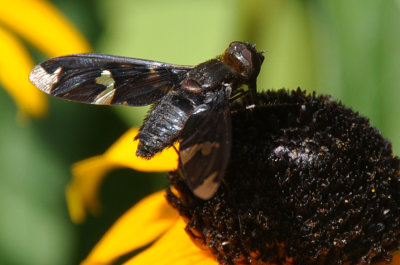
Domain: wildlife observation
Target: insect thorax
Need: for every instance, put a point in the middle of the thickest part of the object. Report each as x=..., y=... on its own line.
x=209, y=76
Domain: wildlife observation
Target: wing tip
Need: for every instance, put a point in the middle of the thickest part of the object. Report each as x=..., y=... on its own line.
x=43, y=80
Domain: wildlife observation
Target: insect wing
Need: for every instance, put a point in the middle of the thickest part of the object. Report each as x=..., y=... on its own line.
x=206, y=145
x=105, y=79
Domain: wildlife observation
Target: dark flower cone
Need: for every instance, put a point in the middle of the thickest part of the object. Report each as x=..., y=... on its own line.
x=309, y=182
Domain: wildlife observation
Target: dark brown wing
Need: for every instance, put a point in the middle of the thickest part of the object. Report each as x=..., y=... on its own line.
x=206, y=144
x=106, y=79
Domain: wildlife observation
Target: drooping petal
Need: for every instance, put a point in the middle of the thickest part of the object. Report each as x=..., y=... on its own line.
x=175, y=247
x=15, y=64
x=396, y=258
x=82, y=193
x=42, y=25
x=395, y=261
x=138, y=227
x=124, y=149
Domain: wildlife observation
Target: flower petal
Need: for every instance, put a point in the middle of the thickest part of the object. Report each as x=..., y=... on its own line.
x=87, y=174
x=41, y=24
x=138, y=227
x=396, y=258
x=15, y=64
x=175, y=247
x=395, y=261
x=82, y=191
x=124, y=149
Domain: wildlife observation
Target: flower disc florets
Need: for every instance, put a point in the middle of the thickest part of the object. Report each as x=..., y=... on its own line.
x=309, y=182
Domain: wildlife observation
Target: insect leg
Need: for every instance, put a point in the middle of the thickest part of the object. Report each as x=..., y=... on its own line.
x=253, y=91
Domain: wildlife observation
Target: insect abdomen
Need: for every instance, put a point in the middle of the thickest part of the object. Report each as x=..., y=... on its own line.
x=164, y=123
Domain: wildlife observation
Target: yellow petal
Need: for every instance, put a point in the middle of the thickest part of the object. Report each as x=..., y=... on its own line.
x=175, y=247
x=41, y=24
x=82, y=193
x=141, y=225
x=396, y=258
x=15, y=65
x=395, y=261
x=123, y=151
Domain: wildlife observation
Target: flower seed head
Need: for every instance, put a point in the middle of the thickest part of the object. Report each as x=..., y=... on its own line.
x=309, y=182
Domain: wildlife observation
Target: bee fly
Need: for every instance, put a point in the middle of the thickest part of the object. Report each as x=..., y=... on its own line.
x=192, y=102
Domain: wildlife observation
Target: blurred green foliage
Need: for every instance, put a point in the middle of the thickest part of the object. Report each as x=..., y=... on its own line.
x=346, y=48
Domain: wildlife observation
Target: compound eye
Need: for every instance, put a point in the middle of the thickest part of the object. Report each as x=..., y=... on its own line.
x=243, y=58
x=247, y=55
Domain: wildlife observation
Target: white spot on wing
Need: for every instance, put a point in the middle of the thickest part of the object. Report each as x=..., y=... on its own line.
x=44, y=80
x=105, y=79
x=105, y=97
x=208, y=188
x=189, y=152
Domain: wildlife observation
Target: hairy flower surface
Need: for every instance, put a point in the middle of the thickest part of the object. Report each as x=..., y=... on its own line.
x=309, y=182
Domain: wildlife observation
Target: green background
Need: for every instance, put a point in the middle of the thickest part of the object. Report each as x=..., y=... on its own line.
x=346, y=48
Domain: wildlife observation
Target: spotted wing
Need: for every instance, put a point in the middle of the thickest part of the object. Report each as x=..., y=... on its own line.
x=206, y=144
x=106, y=79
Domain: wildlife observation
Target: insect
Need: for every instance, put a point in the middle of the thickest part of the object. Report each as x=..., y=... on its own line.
x=191, y=102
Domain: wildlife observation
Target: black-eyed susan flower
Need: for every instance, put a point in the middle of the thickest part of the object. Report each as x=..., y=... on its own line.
x=40, y=24
x=309, y=182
